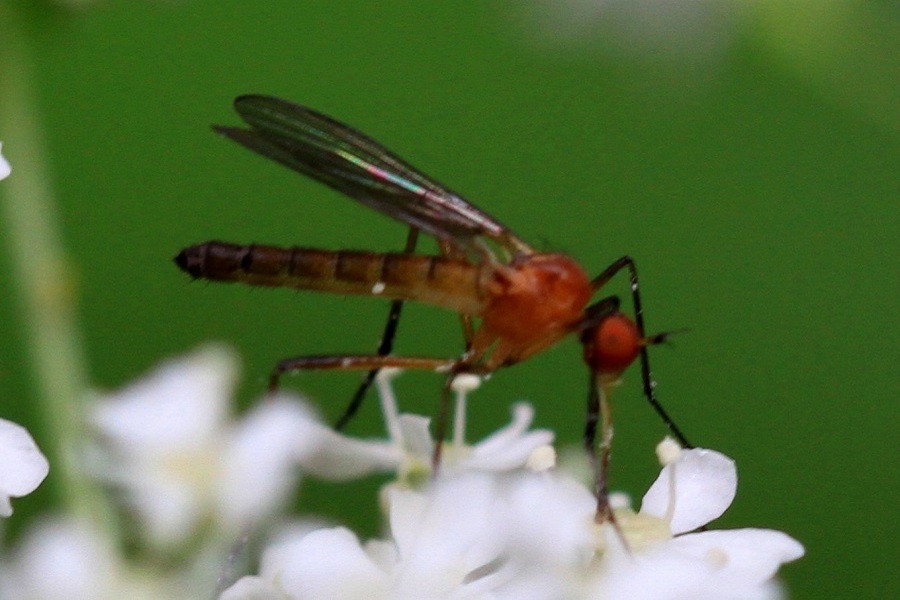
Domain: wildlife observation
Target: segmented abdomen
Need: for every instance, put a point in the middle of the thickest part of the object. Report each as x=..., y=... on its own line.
x=449, y=283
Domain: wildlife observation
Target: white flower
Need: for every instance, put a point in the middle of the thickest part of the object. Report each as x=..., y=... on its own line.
x=441, y=547
x=496, y=523
x=409, y=447
x=167, y=443
x=671, y=563
x=695, y=487
x=5, y=169
x=60, y=560
x=65, y=560
x=523, y=535
x=22, y=466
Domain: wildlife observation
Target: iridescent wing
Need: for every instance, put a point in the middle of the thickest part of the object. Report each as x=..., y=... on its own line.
x=358, y=166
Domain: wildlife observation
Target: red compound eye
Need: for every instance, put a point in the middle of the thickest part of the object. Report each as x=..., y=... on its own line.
x=613, y=346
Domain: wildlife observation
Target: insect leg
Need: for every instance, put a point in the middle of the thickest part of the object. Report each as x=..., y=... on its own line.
x=357, y=362
x=384, y=347
x=626, y=262
x=375, y=362
x=596, y=312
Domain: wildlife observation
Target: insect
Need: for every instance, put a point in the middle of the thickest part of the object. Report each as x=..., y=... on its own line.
x=523, y=301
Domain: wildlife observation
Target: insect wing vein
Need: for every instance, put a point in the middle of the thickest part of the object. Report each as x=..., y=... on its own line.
x=354, y=164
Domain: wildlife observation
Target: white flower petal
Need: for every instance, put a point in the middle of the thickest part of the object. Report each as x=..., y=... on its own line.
x=5, y=169
x=657, y=576
x=410, y=447
x=439, y=536
x=748, y=555
x=523, y=415
x=163, y=440
x=407, y=509
x=665, y=573
x=511, y=456
x=22, y=466
x=705, y=483
x=61, y=560
x=168, y=508
x=416, y=435
x=336, y=457
x=510, y=447
x=562, y=532
x=326, y=564
x=259, y=466
x=182, y=403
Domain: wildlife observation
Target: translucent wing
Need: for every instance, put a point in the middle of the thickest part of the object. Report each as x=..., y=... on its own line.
x=358, y=166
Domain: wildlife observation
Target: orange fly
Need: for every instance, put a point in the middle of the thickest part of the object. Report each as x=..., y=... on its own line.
x=524, y=301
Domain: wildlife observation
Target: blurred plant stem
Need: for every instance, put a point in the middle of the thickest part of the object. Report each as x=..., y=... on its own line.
x=42, y=275
x=842, y=46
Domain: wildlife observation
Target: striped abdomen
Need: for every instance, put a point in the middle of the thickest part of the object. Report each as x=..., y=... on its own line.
x=437, y=280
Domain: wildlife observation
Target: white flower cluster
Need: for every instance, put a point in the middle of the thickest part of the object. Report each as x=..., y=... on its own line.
x=498, y=521
x=531, y=535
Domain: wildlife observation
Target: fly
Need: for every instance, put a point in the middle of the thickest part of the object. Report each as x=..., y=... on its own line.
x=522, y=301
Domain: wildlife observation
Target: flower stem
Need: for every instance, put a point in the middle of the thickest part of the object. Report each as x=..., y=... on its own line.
x=41, y=275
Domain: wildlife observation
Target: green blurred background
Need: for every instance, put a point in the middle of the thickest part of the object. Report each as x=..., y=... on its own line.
x=746, y=154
